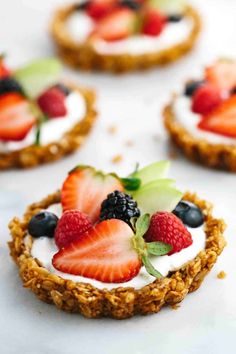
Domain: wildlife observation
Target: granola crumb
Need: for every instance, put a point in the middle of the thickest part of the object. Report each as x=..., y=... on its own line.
x=175, y=307
x=112, y=129
x=129, y=143
x=221, y=275
x=117, y=158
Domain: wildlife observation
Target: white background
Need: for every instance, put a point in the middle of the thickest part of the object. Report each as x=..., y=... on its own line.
x=206, y=320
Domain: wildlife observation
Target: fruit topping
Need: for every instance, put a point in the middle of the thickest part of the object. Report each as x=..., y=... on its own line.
x=152, y=172
x=222, y=120
x=43, y=224
x=233, y=91
x=52, y=103
x=206, y=98
x=169, y=6
x=38, y=76
x=105, y=254
x=8, y=84
x=192, y=86
x=4, y=71
x=153, y=22
x=175, y=18
x=167, y=228
x=85, y=189
x=97, y=9
x=222, y=74
x=63, y=88
x=131, y=4
x=72, y=226
x=189, y=213
x=16, y=117
x=119, y=205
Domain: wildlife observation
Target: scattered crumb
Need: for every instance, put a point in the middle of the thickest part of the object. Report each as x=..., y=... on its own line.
x=129, y=143
x=112, y=129
x=221, y=275
x=175, y=306
x=117, y=158
x=173, y=154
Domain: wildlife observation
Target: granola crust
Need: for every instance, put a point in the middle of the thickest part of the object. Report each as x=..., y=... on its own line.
x=219, y=156
x=122, y=302
x=84, y=56
x=33, y=155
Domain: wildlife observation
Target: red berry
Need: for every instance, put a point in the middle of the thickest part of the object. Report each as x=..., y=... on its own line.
x=105, y=254
x=4, y=71
x=52, y=103
x=166, y=227
x=205, y=99
x=153, y=22
x=98, y=9
x=71, y=227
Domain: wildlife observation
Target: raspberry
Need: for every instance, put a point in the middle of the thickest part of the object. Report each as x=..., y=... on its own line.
x=52, y=103
x=166, y=227
x=205, y=99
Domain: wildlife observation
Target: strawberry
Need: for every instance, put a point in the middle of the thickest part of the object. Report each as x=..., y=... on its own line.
x=52, y=103
x=222, y=120
x=105, y=254
x=85, y=189
x=205, y=99
x=166, y=227
x=16, y=118
x=4, y=71
x=72, y=226
x=118, y=25
x=222, y=74
x=153, y=22
x=98, y=9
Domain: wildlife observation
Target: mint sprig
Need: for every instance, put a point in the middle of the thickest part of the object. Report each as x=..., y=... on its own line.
x=131, y=183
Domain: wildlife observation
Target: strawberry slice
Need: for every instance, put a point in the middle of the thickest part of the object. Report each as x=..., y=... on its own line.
x=98, y=9
x=85, y=189
x=222, y=120
x=118, y=25
x=222, y=74
x=16, y=118
x=105, y=254
x=4, y=71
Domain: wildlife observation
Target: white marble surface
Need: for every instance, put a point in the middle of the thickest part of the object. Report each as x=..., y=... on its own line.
x=206, y=320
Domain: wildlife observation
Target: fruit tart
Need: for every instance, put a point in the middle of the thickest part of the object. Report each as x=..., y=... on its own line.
x=124, y=35
x=201, y=119
x=42, y=117
x=116, y=247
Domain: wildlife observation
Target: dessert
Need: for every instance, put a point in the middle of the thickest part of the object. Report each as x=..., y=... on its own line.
x=124, y=35
x=201, y=119
x=116, y=247
x=42, y=117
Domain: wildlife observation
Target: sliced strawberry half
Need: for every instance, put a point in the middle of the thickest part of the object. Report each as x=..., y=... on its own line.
x=85, y=189
x=98, y=9
x=105, y=254
x=16, y=118
x=222, y=120
x=118, y=25
x=222, y=74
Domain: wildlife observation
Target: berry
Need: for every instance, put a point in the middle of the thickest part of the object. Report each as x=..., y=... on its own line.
x=105, y=254
x=233, y=91
x=166, y=227
x=131, y=4
x=192, y=86
x=205, y=99
x=85, y=188
x=81, y=6
x=8, y=85
x=189, y=213
x=43, y=224
x=16, y=118
x=97, y=9
x=4, y=71
x=174, y=18
x=52, y=103
x=118, y=25
x=119, y=205
x=222, y=74
x=72, y=225
x=222, y=120
x=63, y=88
x=153, y=22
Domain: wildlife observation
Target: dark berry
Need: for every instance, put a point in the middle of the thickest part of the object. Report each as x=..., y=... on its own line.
x=81, y=6
x=43, y=224
x=189, y=213
x=131, y=4
x=175, y=18
x=8, y=85
x=233, y=91
x=119, y=205
x=63, y=88
x=192, y=86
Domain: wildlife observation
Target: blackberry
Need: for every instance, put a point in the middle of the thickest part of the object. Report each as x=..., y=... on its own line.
x=119, y=205
x=192, y=86
x=8, y=85
x=131, y=4
x=175, y=18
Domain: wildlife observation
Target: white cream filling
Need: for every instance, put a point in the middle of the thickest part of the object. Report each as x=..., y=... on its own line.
x=79, y=26
x=187, y=118
x=54, y=128
x=44, y=248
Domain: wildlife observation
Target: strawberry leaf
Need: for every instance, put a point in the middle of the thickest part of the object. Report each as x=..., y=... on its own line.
x=158, y=248
x=142, y=225
x=149, y=267
x=131, y=184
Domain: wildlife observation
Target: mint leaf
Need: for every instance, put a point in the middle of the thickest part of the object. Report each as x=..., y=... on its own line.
x=158, y=248
x=149, y=267
x=131, y=184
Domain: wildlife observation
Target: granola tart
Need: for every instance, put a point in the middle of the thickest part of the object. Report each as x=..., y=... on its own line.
x=52, y=117
x=201, y=120
x=117, y=300
x=150, y=34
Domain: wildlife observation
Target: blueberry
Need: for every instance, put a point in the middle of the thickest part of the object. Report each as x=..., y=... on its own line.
x=131, y=4
x=175, y=18
x=43, y=224
x=63, y=88
x=192, y=86
x=189, y=213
